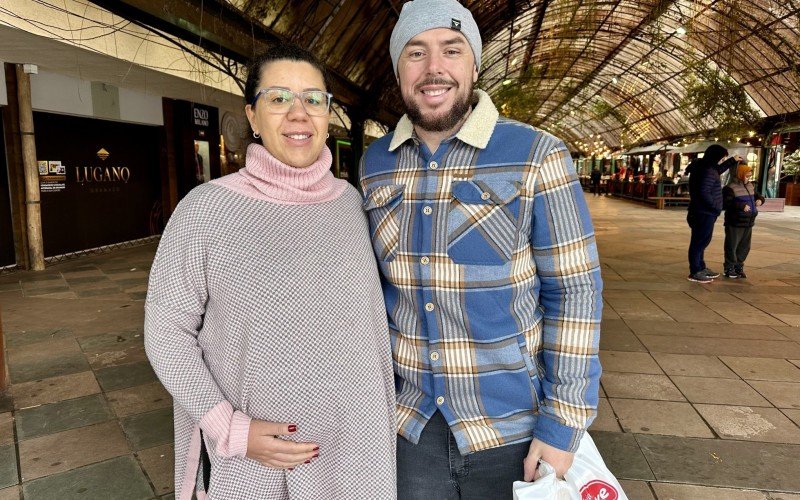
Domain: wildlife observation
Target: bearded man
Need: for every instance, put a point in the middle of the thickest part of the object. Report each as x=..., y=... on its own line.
x=492, y=283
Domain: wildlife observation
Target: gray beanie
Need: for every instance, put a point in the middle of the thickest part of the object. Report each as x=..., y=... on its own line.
x=423, y=15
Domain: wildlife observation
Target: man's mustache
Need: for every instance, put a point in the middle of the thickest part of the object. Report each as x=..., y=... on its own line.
x=436, y=81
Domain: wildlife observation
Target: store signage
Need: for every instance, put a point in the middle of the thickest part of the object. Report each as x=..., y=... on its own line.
x=102, y=174
x=200, y=116
x=52, y=176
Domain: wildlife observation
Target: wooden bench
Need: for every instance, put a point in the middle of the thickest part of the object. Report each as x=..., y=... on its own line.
x=663, y=201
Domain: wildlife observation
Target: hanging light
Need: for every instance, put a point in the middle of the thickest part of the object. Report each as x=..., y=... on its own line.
x=614, y=80
x=680, y=30
x=507, y=82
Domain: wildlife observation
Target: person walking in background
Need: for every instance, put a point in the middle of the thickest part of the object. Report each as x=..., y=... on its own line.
x=492, y=279
x=705, y=205
x=265, y=319
x=740, y=201
x=595, y=176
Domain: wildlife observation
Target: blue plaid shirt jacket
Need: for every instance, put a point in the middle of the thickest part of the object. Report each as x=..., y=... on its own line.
x=491, y=281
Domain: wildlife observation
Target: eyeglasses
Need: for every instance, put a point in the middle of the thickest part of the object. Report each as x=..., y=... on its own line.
x=279, y=101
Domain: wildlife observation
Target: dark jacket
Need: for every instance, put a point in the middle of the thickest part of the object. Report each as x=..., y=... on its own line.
x=705, y=188
x=596, y=176
x=736, y=196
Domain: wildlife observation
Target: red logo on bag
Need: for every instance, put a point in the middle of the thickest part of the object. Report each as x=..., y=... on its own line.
x=598, y=490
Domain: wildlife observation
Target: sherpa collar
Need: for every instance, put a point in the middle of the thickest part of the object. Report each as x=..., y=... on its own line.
x=476, y=131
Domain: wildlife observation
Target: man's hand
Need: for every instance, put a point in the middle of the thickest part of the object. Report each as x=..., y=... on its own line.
x=560, y=460
x=738, y=159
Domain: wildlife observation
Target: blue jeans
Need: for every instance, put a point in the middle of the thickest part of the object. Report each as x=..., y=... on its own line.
x=435, y=470
x=702, y=231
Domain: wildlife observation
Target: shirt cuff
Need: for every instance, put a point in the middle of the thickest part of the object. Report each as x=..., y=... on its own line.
x=229, y=429
x=560, y=436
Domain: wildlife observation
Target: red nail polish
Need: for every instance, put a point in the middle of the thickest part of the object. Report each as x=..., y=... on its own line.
x=315, y=455
x=308, y=461
x=292, y=428
x=316, y=449
x=291, y=468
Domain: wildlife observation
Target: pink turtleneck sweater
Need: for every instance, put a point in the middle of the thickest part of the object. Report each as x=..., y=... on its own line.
x=267, y=178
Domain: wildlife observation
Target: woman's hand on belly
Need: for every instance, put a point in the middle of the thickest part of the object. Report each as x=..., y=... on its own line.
x=265, y=445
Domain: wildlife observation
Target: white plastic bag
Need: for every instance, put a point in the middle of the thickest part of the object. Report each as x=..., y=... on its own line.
x=587, y=479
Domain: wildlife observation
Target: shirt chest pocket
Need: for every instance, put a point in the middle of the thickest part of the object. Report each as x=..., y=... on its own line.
x=384, y=207
x=482, y=222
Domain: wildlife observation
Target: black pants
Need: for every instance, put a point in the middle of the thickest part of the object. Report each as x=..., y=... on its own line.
x=737, y=246
x=596, y=188
x=702, y=230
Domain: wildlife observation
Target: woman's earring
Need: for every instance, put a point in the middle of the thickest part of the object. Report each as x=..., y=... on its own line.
x=327, y=135
x=256, y=135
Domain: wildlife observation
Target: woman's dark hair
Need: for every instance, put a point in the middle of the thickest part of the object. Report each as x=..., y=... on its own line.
x=279, y=52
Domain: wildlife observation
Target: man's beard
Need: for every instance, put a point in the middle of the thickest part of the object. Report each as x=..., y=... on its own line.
x=441, y=123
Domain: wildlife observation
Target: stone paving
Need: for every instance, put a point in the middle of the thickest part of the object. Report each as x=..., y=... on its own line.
x=700, y=392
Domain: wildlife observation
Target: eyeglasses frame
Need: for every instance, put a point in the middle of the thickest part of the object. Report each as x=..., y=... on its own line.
x=297, y=95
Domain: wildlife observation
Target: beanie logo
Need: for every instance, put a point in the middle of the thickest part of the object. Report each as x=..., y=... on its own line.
x=455, y=24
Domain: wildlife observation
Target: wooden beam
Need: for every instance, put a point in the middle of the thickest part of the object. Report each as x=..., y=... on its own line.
x=16, y=171
x=217, y=27
x=32, y=195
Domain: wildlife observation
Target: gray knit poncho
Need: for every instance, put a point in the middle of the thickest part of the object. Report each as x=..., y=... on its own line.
x=274, y=311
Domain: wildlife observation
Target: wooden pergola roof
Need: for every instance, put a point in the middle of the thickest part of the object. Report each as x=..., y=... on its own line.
x=635, y=57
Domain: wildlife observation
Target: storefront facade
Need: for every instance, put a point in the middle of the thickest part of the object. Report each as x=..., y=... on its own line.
x=99, y=182
x=194, y=142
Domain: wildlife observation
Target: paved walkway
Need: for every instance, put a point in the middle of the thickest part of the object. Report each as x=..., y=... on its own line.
x=701, y=384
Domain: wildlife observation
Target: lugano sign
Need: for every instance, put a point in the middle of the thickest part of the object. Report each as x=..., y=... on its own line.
x=102, y=174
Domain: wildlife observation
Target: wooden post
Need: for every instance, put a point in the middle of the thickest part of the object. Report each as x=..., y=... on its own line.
x=3, y=377
x=16, y=170
x=32, y=195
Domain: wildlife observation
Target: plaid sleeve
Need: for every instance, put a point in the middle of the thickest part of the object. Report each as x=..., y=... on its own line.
x=567, y=264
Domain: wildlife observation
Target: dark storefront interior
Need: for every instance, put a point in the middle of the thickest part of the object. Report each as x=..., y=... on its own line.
x=104, y=181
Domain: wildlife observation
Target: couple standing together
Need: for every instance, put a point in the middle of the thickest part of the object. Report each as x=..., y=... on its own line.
x=301, y=368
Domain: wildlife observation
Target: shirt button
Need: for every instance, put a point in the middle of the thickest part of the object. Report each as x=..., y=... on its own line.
x=434, y=356
x=429, y=307
x=440, y=400
x=433, y=165
x=485, y=196
x=424, y=261
x=427, y=210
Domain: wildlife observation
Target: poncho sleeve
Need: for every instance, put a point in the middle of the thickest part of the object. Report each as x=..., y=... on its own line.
x=174, y=309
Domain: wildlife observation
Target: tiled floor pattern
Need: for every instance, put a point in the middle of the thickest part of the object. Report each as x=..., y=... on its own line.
x=700, y=394
x=87, y=418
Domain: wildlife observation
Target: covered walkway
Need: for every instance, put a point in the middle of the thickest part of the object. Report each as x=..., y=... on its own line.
x=700, y=392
